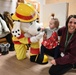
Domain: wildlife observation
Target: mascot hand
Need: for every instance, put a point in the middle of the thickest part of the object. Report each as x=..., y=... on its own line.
x=16, y=31
x=37, y=37
x=27, y=35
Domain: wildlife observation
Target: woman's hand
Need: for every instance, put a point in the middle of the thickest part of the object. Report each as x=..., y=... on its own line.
x=53, y=62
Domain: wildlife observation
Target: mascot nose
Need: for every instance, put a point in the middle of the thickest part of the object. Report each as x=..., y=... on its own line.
x=39, y=29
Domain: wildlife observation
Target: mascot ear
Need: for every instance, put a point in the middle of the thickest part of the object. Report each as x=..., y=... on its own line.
x=36, y=38
x=16, y=31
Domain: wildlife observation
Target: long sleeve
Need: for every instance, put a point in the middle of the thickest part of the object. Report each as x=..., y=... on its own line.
x=70, y=54
x=69, y=58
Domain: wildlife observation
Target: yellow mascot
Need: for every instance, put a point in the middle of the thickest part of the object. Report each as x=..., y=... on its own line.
x=26, y=31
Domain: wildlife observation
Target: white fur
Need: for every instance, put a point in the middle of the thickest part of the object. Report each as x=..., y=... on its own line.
x=16, y=28
x=29, y=29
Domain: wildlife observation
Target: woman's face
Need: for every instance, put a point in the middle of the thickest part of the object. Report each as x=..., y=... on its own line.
x=72, y=25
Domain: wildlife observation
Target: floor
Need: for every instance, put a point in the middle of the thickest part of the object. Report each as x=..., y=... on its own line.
x=9, y=65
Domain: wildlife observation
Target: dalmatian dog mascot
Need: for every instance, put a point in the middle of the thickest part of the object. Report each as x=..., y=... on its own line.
x=26, y=31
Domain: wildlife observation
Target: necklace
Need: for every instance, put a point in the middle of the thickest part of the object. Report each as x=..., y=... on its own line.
x=67, y=40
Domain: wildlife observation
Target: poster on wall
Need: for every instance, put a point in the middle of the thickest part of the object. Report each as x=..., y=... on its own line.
x=59, y=9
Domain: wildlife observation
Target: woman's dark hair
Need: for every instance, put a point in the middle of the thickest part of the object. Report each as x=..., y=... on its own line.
x=71, y=16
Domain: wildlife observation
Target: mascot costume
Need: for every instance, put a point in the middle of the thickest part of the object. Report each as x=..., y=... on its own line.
x=26, y=31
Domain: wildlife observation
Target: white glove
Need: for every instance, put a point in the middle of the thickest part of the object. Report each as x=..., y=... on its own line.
x=37, y=37
x=27, y=35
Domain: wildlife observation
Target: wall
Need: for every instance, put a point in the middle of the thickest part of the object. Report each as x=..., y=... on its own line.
x=7, y=5
x=71, y=8
x=59, y=9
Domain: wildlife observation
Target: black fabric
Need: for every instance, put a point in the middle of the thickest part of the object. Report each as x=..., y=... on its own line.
x=60, y=69
x=53, y=52
x=32, y=58
x=40, y=59
x=74, y=66
x=9, y=40
x=56, y=52
x=47, y=51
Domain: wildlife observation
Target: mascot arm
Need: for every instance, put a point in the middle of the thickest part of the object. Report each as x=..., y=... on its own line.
x=33, y=39
x=23, y=39
x=20, y=40
x=37, y=37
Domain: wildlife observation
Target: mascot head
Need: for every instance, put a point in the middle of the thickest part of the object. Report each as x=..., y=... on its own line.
x=25, y=13
x=25, y=20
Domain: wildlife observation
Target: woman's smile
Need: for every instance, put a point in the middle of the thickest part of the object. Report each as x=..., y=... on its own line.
x=72, y=25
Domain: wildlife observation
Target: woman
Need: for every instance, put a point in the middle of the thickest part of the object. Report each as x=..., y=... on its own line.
x=67, y=59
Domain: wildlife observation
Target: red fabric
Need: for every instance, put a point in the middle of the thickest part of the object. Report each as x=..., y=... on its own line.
x=25, y=17
x=51, y=42
x=16, y=42
x=29, y=40
x=34, y=51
